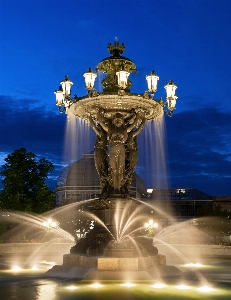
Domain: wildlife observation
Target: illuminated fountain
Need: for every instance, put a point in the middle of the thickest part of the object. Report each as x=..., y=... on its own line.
x=117, y=116
x=120, y=250
x=183, y=286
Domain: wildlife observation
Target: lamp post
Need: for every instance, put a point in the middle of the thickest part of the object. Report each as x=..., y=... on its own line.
x=116, y=115
x=150, y=227
x=118, y=68
x=49, y=224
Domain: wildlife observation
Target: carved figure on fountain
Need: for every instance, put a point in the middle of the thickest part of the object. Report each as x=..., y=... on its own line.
x=131, y=156
x=118, y=133
x=101, y=156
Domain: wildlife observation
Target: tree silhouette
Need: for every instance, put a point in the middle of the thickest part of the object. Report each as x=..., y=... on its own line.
x=24, y=187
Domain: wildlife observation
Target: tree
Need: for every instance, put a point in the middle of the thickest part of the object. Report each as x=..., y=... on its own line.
x=24, y=187
x=215, y=221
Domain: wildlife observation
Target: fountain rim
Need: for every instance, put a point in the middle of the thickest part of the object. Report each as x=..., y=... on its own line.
x=86, y=106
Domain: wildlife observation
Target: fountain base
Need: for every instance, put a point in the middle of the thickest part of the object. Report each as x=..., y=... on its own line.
x=118, y=275
x=114, y=263
x=94, y=268
x=99, y=255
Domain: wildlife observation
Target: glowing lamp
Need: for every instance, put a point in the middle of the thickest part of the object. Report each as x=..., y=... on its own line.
x=16, y=269
x=59, y=96
x=49, y=221
x=183, y=287
x=171, y=97
x=96, y=285
x=122, y=78
x=152, y=82
x=128, y=284
x=71, y=287
x=205, y=289
x=89, y=79
x=50, y=224
x=66, y=86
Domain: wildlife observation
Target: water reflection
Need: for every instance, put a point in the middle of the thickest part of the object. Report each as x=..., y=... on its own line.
x=18, y=290
x=46, y=290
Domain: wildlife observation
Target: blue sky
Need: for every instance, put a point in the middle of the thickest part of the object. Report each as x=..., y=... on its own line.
x=188, y=41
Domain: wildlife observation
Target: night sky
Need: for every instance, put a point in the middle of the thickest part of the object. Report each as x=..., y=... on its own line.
x=188, y=41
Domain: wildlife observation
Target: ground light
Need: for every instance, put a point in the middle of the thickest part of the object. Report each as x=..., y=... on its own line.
x=128, y=284
x=16, y=269
x=158, y=285
x=96, y=285
x=71, y=287
x=205, y=289
x=196, y=265
x=182, y=287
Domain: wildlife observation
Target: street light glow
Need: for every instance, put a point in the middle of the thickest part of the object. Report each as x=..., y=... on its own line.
x=50, y=224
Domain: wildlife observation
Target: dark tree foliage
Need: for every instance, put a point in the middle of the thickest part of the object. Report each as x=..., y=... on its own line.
x=24, y=187
x=215, y=221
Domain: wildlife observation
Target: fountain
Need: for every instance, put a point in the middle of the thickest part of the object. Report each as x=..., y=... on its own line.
x=117, y=116
x=192, y=280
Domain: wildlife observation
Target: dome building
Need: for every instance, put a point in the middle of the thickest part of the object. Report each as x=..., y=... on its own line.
x=80, y=181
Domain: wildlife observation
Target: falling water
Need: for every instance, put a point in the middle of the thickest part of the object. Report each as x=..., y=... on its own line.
x=79, y=139
x=152, y=164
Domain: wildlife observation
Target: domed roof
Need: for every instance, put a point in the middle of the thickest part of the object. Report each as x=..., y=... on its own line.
x=83, y=173
x=80, y=173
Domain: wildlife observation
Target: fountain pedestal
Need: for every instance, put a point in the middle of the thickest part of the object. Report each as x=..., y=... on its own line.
x=100, y=252
x=115, y=233
x=111, y=268
x=114, y=263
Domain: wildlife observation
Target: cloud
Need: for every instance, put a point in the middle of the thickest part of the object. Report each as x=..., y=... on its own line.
x=199, y=149
x=27, y=126
x=34, y=128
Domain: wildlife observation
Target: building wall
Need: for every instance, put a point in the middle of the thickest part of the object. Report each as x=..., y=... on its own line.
x=180, y=203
